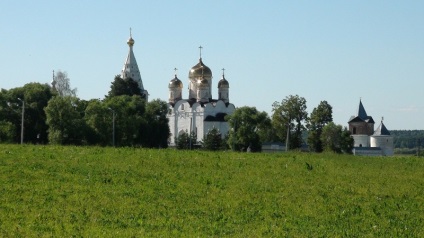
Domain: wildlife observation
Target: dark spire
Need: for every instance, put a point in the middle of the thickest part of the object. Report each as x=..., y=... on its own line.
x=361, y=111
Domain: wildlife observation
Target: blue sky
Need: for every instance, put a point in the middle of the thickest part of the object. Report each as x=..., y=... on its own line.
x=338, y=51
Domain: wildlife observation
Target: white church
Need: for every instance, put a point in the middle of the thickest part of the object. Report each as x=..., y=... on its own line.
x=198, y=113
x=368, y=141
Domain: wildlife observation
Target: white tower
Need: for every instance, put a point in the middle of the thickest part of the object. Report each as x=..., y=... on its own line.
x=382, y=138
x=130, y=69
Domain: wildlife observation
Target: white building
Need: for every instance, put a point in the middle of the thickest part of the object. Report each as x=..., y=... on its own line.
x=366, y=140
x=130, y=69
x=199, y=113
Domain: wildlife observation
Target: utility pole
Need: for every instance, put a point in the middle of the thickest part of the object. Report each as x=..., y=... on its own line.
x=22, y=120
x=288, y=136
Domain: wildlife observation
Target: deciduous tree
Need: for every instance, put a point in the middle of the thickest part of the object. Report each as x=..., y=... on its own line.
x=246, y=125
x=320, y=116
x=289, y=115
x=126, y=86
x=62, y=84
x=65, y=120
x=336, y=138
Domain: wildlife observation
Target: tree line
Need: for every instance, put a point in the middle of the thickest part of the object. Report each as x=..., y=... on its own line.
x=124, y=118
x=250, y=128
x=57, y=116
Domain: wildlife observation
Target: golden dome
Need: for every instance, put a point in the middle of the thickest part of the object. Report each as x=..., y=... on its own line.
x=175, y=83
x=200, y=70
x=203, y=82
x=130, y=41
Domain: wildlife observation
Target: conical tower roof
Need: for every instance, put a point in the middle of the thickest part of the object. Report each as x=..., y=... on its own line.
x=381, y=130
x=361, y=111
x=130, y=69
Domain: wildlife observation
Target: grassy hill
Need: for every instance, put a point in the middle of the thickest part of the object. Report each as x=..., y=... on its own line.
x=123, y=192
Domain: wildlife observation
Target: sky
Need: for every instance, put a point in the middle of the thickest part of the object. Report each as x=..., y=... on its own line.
x=337, y=51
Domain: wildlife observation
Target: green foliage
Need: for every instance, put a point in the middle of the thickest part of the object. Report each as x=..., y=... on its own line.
x=186, y=142
x=155, y=133
x=50, y=191
x=127, y=86
x=336, y=138
x=65, y=118
x=7, y=132
x=246, y=124
x=289, y=115
x=320, y=116
x=410, y=139
x=213, y=140
x=36, y=97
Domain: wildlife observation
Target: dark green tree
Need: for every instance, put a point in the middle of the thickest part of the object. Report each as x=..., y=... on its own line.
x=320, y=116
x=99, y=119
x=213, y=140
x=65, y=118
x=35, y=97
x=347, y=141
x=289, y=116
x=246, y=125
x=129, y=118
x=7, y=132
x=126, y=86
x=337, y=139
x=155, y=131
x=185, y=141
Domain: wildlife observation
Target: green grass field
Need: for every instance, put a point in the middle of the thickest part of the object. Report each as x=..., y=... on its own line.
x=126, y=192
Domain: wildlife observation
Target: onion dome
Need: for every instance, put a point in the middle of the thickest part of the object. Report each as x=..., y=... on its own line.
x=175, y=83
x=203, y=83
x=223, y=82
x=200, y=70
x=130, y=41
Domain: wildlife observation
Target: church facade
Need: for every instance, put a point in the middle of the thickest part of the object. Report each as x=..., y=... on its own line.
x=199, y=112
x=368, y=141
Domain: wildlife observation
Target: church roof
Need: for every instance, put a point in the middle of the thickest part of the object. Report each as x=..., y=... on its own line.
x=381, y=130
x=130, y=69
x=361, y=115
x=361, y=111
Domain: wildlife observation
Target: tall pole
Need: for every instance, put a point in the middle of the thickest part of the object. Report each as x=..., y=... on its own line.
x=191, y=122
x=22, y=120
x=288, y=136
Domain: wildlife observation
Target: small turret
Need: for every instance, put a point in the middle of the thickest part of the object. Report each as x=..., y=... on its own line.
x=175, y=89
x=223, y=89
